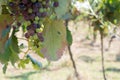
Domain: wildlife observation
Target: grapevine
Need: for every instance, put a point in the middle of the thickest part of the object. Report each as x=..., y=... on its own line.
x=44, y=24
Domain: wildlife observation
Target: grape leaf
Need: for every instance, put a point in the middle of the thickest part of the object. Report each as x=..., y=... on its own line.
x=54, y=39
x=5, y=32
x=5, y=20
x=69, y=37
x=23, y=62
x=5, y=68
x=36, y=64
x=2, y=2
x=62, y=8
x=11, y=50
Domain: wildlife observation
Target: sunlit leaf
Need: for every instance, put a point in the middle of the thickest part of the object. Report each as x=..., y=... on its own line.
x=54, y=39
x=69, y=37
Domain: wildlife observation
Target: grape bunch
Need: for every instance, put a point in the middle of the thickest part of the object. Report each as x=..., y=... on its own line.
x=32, y=11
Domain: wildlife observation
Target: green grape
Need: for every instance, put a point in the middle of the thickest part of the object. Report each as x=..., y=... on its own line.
x=33, y=1
x=41, y=10
x=30, y=10
x=37, y=18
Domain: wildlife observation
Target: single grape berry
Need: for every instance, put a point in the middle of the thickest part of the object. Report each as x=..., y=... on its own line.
x=38, y=26
x=25, y=1
x=46, y=6
x=26, y=17
x=40, y=36
x=27, y=35
x=47, y=1
x=28, y=28
x=34, y=25
x=31, y=32
x=56, y=4
x=33, y=1
x=18, y=24
x=35, y=9
x=38, y=14
x=21, y=6
x=37, y=5
x=14, y=27
x=32, y=16
x=43, y=14
x=29, y=5
x=11, y=4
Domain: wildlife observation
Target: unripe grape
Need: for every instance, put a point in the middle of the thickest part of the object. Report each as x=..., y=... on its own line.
x=33, y=1
x=41, y=10
x=30, y=10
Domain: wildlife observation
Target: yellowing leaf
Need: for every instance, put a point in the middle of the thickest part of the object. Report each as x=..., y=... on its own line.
x=54, y=39
x=5, y=20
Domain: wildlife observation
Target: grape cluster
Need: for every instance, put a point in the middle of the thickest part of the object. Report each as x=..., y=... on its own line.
x=32, y=11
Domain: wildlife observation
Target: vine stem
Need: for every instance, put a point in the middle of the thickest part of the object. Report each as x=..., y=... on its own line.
x=102, y=56
x=73, y=62
x=71, y=56
x=101, y=34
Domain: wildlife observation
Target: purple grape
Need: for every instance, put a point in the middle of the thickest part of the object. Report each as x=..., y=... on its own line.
x=14, y=27
x=43, y=14
x=34, y=25
x=35, y=9
x=38, y=14
x=24, y=1
x=40, y=36
x=18, y=24
x=27, y=35
x=56, y=4
x=32, y=16
x=22, y=6
x=31, y=32
x=46, y=6
x=26, y=17
x=47, y=1
x=29, y=5
x=24, y=12
x=11, y=4
x=28, y=27
x=37, y=5
x=38, y=26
